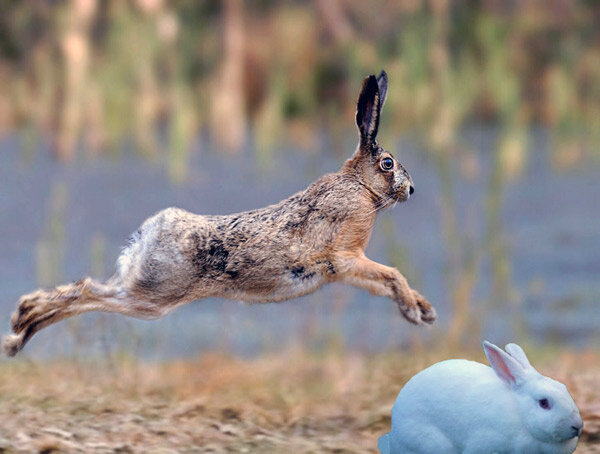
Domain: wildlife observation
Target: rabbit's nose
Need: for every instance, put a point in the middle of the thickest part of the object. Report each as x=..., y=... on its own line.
x=577, y=430
x=411, y=189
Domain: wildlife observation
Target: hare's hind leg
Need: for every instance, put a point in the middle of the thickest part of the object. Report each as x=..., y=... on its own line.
x=386, y=281
x=42, y=308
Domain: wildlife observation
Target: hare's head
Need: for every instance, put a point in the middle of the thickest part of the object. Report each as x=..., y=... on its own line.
x=379, y=171
x=546, y=408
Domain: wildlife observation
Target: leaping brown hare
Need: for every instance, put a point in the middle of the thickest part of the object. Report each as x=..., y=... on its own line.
x=285, y=250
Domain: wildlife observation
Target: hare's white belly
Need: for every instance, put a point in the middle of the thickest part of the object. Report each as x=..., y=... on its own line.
x=291, y=286
x=287, y=286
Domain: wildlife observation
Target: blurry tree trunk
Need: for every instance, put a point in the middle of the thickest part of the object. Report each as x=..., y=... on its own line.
x=94, y=117
x=75, y=46
x=148, y=101
x=461, y=272
x=228, y=111
x=6, y=109
x=182, y=112
x=148, y=95
x=509, y=155
x=335, y=20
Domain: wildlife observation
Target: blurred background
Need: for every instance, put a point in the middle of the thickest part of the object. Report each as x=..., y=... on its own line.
x=112, y=110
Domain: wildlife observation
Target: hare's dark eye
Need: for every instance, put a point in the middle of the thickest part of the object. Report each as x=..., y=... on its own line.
x=387, y=164
x=544, y=404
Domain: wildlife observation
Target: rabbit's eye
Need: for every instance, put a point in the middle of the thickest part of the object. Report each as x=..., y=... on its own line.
x=544, y=404
x=387, y=164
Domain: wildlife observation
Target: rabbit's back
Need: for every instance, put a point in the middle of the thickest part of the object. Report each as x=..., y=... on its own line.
x=453, y=407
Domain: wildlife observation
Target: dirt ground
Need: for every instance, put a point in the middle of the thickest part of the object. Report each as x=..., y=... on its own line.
x=292, y=403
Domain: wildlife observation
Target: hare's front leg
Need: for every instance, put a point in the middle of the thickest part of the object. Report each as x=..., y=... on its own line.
x=383, y=280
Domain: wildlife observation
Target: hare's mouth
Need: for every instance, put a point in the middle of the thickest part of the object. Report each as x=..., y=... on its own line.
x=404, y=192
x=402, y=195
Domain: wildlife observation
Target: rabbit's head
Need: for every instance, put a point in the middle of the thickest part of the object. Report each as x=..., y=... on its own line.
x=379, y=171
x=545, y=406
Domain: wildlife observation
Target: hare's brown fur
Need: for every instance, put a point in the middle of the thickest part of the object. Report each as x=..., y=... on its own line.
x=271, y=254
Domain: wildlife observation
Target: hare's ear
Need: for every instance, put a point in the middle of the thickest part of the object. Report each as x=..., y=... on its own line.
x=517, y=353
x=382, y=82
x=367, y=110
x=505, y=366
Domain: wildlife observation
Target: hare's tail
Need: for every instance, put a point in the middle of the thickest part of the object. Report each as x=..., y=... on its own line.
x=384, y=444
x=41, y=308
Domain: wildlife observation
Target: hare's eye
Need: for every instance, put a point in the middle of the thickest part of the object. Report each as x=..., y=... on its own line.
x=387, y=164
x=544, y=404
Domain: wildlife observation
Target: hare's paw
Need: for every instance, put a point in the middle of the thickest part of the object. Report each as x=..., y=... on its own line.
x=12, y=344
x=428, y=314
x=25, y=311
x=410, y=309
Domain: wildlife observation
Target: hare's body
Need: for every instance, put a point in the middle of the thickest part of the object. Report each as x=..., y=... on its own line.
x=464, y=407
x=272, y=254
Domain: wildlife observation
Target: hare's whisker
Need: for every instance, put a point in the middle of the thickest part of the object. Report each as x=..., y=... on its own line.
x=380, y=205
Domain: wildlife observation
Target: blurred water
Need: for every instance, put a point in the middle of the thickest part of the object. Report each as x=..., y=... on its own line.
x=551, y=228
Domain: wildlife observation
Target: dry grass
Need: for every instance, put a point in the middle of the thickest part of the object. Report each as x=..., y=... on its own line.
x=296, y=403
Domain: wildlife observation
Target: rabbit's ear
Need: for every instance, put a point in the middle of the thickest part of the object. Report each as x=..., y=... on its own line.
x=382, y=82
x=367, y=110
x=505, y=366
x=517, y=353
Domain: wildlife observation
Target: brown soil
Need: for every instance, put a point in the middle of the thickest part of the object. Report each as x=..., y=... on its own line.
x=291, y=403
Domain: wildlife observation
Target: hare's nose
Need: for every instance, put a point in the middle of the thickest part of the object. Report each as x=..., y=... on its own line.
x=411, y=189
x=577, y=430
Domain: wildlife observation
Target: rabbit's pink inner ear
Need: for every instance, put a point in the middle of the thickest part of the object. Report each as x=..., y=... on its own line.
x=502, y=364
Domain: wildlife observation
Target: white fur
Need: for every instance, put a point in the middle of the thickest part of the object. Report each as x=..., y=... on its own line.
x=123, y=264
x=459, y=406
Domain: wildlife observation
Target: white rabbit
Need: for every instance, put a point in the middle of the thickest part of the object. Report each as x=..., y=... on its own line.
x=460, y=406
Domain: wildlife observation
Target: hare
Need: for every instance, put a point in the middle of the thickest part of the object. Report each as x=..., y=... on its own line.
x=460, y=406
x=283, y=251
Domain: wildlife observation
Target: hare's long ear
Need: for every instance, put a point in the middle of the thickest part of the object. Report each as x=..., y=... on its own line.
x=367, y=110
x=382, y=82
x=505, y=366
x=517, y=353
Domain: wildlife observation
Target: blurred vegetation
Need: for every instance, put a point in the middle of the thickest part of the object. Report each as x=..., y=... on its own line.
x=98, y=77
x=94, y=75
